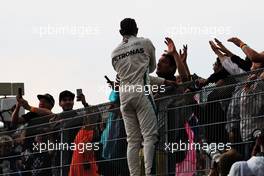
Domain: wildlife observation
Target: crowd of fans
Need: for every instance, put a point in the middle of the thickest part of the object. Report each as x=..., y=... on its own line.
x=233, y=110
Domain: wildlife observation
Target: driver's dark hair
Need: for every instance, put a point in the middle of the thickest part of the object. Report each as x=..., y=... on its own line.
x=128, y=26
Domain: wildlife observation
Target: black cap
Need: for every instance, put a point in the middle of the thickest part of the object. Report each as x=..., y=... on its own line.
x=66, y=93
x=128, y=26
x=47, y=97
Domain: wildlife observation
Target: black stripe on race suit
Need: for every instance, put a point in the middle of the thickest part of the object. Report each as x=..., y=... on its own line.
x=153, y=168
x=146, y=90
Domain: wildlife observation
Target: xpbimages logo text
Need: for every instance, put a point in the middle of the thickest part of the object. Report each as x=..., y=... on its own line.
x=173, y=147
x=80, y=147
x=146, y=89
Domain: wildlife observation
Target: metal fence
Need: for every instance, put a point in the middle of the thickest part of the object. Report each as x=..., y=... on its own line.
x=195, y=128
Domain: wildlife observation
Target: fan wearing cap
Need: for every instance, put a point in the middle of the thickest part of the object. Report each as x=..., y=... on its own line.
x=74, y=132
x=46, y=103
x=37, y=121
x=69, y=122
x=66, y=102
x=37, y=116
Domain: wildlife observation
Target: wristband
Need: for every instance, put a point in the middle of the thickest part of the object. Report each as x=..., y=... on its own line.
x=242, y=45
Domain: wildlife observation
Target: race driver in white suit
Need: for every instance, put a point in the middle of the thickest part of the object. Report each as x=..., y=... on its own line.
x=133, y=60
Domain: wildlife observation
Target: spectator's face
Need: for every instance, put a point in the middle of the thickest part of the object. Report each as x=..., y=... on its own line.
x=66, y=103
x=20, y=139
x=43, y=103
x=217, y=67
x=163, y=66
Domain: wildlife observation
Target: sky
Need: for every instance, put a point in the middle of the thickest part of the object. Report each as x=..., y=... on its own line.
x=56, y=45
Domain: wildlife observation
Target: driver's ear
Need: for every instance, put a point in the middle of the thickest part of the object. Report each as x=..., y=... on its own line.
x=121, y=32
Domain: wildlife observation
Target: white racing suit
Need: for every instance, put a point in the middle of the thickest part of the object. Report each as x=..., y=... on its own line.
x=133, y=60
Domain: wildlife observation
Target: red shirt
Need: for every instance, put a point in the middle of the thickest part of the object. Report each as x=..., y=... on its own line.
x=79, y=157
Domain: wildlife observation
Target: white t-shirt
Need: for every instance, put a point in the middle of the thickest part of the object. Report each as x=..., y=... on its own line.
x=253, y=167
x=231, y=67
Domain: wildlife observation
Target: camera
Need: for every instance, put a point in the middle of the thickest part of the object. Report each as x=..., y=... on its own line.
x=79, y=93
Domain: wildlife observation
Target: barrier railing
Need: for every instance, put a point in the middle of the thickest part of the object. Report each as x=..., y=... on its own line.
x=191, y=127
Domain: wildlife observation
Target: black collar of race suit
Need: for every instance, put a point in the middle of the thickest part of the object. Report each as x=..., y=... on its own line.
x=126, y=37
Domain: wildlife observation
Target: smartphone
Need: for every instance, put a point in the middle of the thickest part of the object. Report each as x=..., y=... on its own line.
x=79, y=93
x=107, y=79
x=19, y=93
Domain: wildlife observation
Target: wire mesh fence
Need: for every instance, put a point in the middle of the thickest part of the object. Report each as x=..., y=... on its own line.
x=195, y=130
